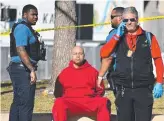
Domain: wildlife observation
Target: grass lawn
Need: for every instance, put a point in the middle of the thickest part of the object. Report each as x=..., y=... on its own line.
x=43, y=103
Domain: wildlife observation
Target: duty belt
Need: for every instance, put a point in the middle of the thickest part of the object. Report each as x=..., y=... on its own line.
x=23, y=65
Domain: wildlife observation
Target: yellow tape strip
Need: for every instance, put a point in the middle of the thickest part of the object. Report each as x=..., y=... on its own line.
x=88, y=25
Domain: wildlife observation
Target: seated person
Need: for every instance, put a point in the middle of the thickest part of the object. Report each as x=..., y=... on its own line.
x=76, y=91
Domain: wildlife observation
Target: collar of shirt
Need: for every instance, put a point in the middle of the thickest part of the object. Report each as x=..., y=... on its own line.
x=23, y=19
x=131, y=39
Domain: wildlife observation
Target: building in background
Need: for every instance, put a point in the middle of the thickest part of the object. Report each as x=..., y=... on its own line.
x=88, y=12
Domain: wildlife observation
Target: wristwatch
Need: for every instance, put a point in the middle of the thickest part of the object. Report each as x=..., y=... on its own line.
x=100, y=77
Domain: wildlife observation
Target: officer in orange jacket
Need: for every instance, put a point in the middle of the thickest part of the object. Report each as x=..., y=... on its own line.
x=133, y=75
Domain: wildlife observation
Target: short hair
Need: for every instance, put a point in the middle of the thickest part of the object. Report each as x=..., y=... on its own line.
x=131, y=10
x=119, y=10
x=27, y=8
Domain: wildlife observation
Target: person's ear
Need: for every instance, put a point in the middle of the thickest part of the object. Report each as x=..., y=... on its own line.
x=120, y=19
x=25, y=15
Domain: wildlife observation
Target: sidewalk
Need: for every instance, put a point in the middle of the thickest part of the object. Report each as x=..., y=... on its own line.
x=47, y=117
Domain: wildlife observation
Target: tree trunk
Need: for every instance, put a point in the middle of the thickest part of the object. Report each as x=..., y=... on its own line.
x=64, y=40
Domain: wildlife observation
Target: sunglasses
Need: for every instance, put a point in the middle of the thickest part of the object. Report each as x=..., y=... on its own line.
x=131, y=19
x=112, y=17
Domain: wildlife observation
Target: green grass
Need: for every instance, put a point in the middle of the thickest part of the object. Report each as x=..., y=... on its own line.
x=44, y=103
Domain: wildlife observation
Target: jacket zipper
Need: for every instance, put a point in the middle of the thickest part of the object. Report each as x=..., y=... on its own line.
x=132, y=70
x=132, y=73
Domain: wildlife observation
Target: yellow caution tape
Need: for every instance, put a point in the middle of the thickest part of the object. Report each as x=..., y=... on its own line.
x=88, y=25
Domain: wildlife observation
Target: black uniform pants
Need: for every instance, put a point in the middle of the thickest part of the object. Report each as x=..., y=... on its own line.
x=23, y=99
x=111, y=83
x=138, y=101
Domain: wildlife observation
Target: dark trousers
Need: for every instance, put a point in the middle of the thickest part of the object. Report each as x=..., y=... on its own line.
x=111, y=83
x=23, y=98
x=134, y=104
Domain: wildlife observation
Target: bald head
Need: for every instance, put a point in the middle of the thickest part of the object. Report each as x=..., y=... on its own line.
x=78, y=55
x=77, y=49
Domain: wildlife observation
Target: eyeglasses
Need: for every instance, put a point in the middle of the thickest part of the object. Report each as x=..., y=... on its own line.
x=112, y=17
x=131, y=19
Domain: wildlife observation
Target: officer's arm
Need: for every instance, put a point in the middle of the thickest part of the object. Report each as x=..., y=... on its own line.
x=156, y=55
x=99, y=91
x=24, y=57
x=21, y=34
x=105, y=64
x=109, y=47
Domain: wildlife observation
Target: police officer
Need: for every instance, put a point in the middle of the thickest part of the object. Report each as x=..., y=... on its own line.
x=108, y=64
x=133, y=75
x=25, y=53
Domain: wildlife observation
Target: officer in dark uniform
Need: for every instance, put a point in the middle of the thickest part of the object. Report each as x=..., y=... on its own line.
x=25, y=52
x=108, y=64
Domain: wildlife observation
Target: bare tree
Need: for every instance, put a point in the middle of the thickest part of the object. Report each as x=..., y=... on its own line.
x=64, y=39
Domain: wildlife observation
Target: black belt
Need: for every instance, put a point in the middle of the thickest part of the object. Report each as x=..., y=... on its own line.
x=142, y=86
x=23, y=65
x=14, y=63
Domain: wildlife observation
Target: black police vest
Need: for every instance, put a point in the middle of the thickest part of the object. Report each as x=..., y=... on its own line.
x=32, y=50
x=137, y=70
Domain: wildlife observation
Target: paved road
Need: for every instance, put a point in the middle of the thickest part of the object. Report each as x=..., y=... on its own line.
x=47, y=117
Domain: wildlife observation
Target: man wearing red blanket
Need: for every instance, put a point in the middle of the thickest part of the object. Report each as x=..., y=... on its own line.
x=76, y=91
